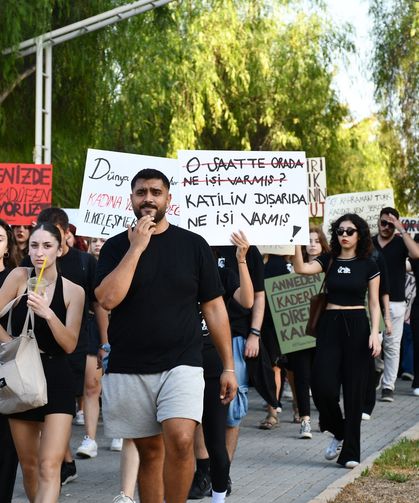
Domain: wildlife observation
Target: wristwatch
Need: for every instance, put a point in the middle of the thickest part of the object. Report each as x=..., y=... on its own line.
x=106, y=347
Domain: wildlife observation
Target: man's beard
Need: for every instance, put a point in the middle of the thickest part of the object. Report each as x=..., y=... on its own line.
x=159, y=215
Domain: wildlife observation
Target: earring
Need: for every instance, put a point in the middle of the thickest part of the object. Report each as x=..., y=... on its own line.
x=6, y=255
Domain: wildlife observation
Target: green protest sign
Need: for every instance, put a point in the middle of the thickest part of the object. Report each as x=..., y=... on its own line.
x=289, y=300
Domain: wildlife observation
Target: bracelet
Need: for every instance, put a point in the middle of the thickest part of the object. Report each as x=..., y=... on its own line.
x=242, y=261
x=229, y=370
x=403, y=231
x=254, y=331
x=106, y=347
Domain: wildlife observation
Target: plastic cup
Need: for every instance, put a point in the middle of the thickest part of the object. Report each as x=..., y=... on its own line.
x=40, y=289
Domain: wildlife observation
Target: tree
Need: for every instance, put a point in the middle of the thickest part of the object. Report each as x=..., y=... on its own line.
x=396, y=77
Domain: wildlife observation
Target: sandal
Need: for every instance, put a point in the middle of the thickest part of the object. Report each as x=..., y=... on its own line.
x=269, y=422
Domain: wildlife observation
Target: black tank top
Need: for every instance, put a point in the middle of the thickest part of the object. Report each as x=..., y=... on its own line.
x=43, y=334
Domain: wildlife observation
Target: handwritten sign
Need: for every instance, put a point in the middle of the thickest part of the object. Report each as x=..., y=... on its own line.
x=262, y=193
x=105, y=204
x=25, y=190
x=289, y=301
x=411, y=225
x=365, y=204
x=316, y=171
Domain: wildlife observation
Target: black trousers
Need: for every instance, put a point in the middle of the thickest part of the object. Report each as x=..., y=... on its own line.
x=302, y=363
x=370, y=392
x=341, y=361
x=214, y=420
x=8, y=461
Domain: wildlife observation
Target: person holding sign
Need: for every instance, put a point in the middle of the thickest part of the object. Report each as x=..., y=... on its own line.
x=41, y=435
x=152, y=277
x=345, y=342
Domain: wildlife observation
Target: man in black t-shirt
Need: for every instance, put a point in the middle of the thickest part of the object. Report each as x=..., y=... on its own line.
x=152, y=277
x=395, y=250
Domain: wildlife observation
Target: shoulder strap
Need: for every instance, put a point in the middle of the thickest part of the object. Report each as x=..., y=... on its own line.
x=322, y=288
x=8, y=307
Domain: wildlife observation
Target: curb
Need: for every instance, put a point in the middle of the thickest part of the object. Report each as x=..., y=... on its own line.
x=335, y=487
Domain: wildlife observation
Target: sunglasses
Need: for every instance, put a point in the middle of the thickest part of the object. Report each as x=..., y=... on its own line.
x=349, y=231
x=384, y=223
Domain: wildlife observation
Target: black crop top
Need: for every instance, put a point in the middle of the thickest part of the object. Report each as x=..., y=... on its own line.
x=347, y=279
x=44, y=337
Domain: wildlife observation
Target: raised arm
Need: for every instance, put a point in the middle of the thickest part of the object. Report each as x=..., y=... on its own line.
x=244, y=295
x=114, y=287
x=410, y=243
x=302, y=267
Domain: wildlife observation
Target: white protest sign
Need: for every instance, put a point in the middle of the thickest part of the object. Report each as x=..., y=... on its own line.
x=411, y=224
x=105, y=204
x=264, y=194
x=365, y=204
x=317, y=190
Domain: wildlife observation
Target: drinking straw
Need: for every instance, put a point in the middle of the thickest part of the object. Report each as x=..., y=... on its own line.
x=38, y=281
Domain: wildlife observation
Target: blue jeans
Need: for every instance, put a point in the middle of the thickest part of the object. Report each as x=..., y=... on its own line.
x=238, y=408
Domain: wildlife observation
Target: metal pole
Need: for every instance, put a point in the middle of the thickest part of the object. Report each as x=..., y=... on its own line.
x=48, y=104
x=37, y=154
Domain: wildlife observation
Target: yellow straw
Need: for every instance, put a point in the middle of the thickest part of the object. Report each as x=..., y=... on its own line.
x=38, y=281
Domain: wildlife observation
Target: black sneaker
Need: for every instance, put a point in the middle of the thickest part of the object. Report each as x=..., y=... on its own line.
x=387, y=395
x=201, y=486
x=68, y=472
x=229, y=486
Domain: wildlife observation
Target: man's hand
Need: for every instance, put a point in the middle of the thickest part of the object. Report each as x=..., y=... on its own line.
x=252, y=346
x=228, y=387
x=140, y=235
x=389, y=326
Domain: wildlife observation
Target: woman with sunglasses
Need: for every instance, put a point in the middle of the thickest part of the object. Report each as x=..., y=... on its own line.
x=345, y=342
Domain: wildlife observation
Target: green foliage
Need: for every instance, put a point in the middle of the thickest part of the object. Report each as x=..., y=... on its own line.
x=396, y=77
x=196, y=74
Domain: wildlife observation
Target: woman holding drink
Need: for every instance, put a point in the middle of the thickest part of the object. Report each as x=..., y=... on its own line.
x=41, y=435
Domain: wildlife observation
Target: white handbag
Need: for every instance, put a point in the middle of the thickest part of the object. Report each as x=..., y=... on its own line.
x=22, y=380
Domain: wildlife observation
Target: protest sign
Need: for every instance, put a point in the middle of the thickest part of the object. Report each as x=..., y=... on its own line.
x=316, y=171
x=277, y=250
x=105, y=204
x=365, y=204
x=411, y=225
x=25, y=190
x=263, y=194
x=289, y=301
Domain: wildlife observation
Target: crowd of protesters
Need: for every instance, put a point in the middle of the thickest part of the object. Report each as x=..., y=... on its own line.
x=180, y=330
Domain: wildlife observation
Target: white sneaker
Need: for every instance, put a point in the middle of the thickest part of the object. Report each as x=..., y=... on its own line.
x=122, y=498
x=87, y=449
x=334, y=449
x=305, y=429
x=351, y=464
x=116, y=444
x=79, y=419
x=365, y=416
x=416, y=391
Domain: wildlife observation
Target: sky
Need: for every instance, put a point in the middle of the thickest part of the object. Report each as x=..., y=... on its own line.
x=353, y=82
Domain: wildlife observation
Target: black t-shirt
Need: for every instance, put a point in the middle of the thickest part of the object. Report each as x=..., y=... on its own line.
x=395, y=254
x=80, y=268
x=240, y=317
x=211, y=361
x=347, y=279
x=157, y=325
x=3, y=275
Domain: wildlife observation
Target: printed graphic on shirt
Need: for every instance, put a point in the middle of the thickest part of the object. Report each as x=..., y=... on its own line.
x=344, y=270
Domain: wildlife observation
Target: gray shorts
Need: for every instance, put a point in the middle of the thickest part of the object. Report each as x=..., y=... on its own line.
x=135, y=405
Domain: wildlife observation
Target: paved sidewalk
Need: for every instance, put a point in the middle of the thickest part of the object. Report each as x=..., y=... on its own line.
x=270, y=466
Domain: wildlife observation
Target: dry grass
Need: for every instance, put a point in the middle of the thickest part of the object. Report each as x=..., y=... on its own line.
x=394, y=478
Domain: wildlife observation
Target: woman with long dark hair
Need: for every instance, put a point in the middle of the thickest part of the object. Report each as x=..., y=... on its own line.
x=41, y=435
x=345, y=342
